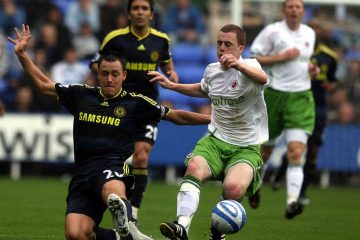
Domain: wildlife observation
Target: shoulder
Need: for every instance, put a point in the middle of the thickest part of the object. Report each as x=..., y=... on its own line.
x=212, y=67
x=306, y=29
x=78, y=87
x=159, y=34
x=142, y=98
x=328, y=51
x=252, y=62
x=113, y=34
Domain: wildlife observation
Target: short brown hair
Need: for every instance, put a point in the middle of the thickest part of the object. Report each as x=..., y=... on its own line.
x=151, y=3
x=240, y=33
x=285, y=2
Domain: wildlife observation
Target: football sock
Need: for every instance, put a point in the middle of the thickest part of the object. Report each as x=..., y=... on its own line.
x=104, y=234
x=188, y=201
x=128, y=208
x=294, y=179
x=135, y=211
x=309, y=178
x=282, y=169
x=141, y=179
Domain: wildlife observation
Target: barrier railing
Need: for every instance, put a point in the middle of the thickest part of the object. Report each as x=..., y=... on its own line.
x=40, y=137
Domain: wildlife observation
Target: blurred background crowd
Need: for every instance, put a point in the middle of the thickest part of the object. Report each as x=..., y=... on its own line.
x=67, y=34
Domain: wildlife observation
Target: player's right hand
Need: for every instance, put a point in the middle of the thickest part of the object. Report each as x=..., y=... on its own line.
x=21, y=40
x=160, y=79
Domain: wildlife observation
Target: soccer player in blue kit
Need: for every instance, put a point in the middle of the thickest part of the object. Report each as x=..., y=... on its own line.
x=105, y=121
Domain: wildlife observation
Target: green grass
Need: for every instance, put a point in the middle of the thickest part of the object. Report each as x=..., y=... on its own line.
x=33, y=208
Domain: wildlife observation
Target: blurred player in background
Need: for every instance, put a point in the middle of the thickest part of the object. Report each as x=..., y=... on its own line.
x=145, y=50
x=321, y=85
x=105, y=120
x=285, y=49
x=231, y=151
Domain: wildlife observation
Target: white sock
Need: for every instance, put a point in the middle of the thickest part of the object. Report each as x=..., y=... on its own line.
x=135, y=211
x=294, y=180
x=187, y=204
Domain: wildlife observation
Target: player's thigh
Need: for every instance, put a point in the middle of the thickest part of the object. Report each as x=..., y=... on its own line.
x=210, y=149
x=81, y=201
x=114, y=179
x=239, y=177
x=300, y=112
x=114, y=186
x=251, y=156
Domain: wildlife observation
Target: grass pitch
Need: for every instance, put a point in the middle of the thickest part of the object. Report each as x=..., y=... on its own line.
x=33, y=208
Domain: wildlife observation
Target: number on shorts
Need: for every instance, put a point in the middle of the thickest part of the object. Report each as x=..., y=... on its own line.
x=111, y=174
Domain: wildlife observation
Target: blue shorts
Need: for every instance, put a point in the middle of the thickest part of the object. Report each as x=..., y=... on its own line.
x=84, y=194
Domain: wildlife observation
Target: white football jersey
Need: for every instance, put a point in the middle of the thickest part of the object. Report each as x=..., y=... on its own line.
x=239, y=114
x=289, y=76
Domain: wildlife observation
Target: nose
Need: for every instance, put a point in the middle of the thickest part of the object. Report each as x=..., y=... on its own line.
x=109, y=78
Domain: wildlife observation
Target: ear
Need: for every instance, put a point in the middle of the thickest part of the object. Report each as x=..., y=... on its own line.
x=125, y=74
x=241, y=48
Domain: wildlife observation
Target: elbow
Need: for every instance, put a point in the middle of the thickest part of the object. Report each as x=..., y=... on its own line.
x=263, y=79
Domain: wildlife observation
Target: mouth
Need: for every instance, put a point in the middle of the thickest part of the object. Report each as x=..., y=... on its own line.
x=140, y=20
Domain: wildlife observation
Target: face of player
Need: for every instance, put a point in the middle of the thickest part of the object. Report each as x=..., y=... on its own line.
x=227, y=44
x=111, y=77
x=293, y=12
x=140, y=14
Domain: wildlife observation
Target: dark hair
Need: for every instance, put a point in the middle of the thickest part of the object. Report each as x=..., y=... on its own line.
x=240, y=33
x=151, y=3
x=110, y=57
x=285, y=2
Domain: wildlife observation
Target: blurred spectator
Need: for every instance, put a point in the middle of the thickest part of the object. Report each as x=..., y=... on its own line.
x=63, y=5
x=23, y=102
x=47, y=40
x=2, y=108
x=55, y=17
x=80, y=12
x=35, y=10
x=4, y=55
x=11, y=16
x=184, y=22
x=113, y=15
x=352, y=80
x=8, y=93
x=70, y=70
x=346, y=113
x=86, y=43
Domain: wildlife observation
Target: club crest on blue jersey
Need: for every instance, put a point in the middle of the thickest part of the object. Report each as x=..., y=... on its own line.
x=154, y=56
x=119, y=111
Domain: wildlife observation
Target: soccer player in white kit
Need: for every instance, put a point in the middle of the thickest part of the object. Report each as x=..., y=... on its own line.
x=284, y=49
x=231, y=150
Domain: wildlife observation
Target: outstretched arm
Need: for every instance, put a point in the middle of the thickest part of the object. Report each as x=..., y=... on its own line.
x=42, y=82
x=193, y=90
x=182, y=117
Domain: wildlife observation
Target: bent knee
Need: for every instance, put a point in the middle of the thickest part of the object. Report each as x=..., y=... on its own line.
x=140, y=158
x=234, y=190
x=77, y=234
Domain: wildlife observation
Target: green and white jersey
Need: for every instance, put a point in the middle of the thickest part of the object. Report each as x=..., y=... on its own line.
x=239, y=114
x=287, y=76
